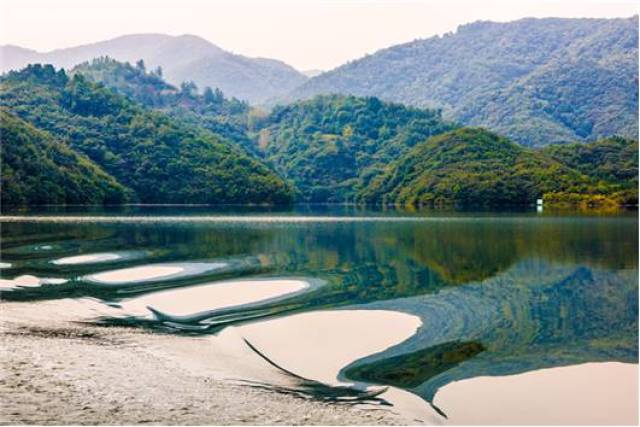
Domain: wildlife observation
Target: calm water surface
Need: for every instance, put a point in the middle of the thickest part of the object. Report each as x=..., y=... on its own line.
x=466, y=295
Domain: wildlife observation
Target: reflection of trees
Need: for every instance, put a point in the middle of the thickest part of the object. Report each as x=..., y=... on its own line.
x=465, y=251
x=536, y=315
x=362, y=262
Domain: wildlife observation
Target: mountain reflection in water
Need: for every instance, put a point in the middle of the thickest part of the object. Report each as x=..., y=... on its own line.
x=496, y=293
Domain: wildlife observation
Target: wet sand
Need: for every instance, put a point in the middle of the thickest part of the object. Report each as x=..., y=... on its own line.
x=56, y=371
x=319, y=344
x=152, y=273
x=87, y=259
x=212, y=296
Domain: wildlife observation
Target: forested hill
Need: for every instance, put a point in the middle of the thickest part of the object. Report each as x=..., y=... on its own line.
x=475, y=167
x=158, y=158
x=332, y=146
x=539, y=81
x=70, y=139
x=609, y=160
x=186, y=103
x=38, y=169
x=183, y=58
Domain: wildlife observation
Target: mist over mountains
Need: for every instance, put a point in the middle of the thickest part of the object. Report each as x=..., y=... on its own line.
x=182, y=58
x=538, y=81
x=553, y=104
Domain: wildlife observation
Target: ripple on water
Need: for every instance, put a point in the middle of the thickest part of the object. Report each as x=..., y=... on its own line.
x=97, y=258
x=208, y=297
x=28, y=281
x=153, y=273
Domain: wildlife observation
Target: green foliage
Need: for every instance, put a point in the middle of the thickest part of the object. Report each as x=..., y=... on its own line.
x=614, y=160
x=611, y=163
x=148, y=141
x=538, y=81
x=332, y=146
x=472, y=166
x=160, y=159
x=227, y=118
x=38, y=169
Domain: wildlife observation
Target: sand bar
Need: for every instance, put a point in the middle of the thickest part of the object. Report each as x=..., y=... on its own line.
x=88, y=259
x=154, y=272
x=29, y=281
x=317, y=345
x=213, y=296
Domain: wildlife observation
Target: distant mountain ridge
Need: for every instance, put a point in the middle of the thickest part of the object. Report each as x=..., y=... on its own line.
x=538, y=81
x=182, y=58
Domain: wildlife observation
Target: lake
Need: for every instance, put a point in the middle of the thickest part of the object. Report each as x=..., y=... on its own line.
x=480, y=317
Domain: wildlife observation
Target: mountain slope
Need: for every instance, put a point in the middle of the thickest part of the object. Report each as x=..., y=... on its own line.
x=226, y=118
x=331, y=146
x=160, y=159
x=472, y=166
x=611, y=160
x=182, y=58
x=538, y=81
x=37, y=169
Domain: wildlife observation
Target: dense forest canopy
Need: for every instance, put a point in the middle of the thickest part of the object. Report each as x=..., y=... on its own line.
x=611, y=159
x=131, y=136
x=38, y=169
x=160, y=159
x=207, y=108
x=475, y=167
x=332, y=146
x=469, y=166
x=538, y=81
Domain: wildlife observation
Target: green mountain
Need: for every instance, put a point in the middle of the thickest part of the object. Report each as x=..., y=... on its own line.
x=138, y=138
x=160, y=159
x=613, y=160
x=332, y=146
x=38, y=169
x=226, y=118
x=538, y=81
x=475, y=167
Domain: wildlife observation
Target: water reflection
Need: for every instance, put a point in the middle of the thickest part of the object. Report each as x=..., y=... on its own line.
x=496, y=293
x=536, y=315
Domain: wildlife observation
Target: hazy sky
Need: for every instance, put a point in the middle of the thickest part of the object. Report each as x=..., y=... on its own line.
x=307, y=34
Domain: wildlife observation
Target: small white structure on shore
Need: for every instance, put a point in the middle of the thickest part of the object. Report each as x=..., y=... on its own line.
x=539, y=202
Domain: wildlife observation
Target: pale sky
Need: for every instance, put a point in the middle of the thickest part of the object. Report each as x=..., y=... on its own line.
x=308, y=34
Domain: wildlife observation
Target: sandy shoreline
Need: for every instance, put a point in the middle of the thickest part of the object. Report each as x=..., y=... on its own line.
x=56, y=371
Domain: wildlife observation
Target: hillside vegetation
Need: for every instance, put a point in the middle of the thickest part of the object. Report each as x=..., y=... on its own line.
x=160, y=159
x=38, y=169
x=611, y=163
x=538, y=81
x=207, y=108
x=332, y=146
x=110, y=132
x=475, y=167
